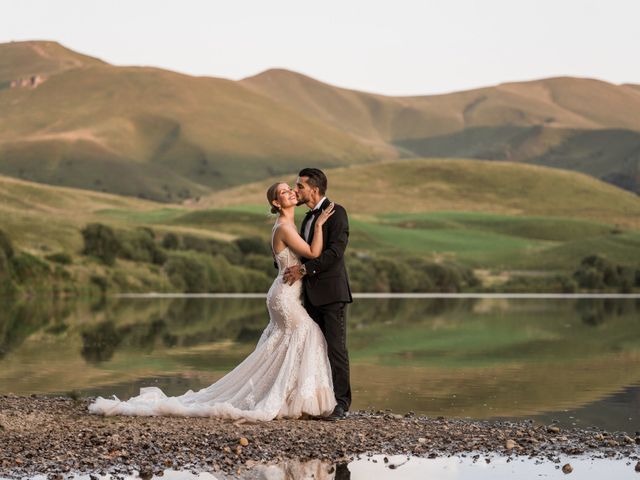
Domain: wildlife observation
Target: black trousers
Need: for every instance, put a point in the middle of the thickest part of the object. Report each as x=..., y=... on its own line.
x=332, y=320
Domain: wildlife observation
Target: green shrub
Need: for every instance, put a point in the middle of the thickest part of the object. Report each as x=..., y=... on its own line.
x=261, y=263
x=228, y=250
x=193, y=272
x=100, y=241
x=99, y=281
x=30, y=269
x=597, y=272
x=400, y=276
x=253, y=281
x=139, y=245
x=363, y=276
x=170, y=241
x=188, y=273
x=62, y=258
x=255, y=245
x=567, y=284
x=6, y=246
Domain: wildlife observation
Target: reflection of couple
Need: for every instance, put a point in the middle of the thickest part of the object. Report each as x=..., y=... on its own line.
x=293, y=371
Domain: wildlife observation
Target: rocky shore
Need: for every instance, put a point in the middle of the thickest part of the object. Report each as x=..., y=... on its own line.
x=59, y=438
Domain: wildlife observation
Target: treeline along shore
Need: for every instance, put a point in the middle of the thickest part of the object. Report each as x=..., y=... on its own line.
x=141, y=260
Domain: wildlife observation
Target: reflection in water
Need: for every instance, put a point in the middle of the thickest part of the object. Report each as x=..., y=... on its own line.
x=99, y=342
x=482, y=358
x=296, y=470
x=594, y=311
x=398, y=467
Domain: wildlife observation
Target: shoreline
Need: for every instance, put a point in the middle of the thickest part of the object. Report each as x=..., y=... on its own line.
x=57, y=436
x=370, y=295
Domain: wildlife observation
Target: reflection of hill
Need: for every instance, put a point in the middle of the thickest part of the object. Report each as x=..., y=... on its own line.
x=514, y=359
x=122, y=341
x=506, y=390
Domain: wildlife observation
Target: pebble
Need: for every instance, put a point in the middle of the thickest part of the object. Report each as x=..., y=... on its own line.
x=567, y=468
x=77, y=443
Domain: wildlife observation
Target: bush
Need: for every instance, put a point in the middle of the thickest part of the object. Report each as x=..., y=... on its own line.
x=198, y=273
x=28, y=268
x=139, y=245
x=369, y=274
x=400, y=277
x=171, y=241
x=596, y=272
x=190, y=273
x=256, y=245
x=261, y=263
x=228, y=250
x=363, y=276
x=101, y=242
x=101, y=282
x=446, y=278
x=6, y=247
x=61, y=258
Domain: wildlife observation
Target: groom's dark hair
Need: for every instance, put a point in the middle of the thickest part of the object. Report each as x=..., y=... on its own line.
x=316, y=177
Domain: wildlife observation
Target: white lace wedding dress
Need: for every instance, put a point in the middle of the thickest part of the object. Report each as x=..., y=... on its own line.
x=286, y=376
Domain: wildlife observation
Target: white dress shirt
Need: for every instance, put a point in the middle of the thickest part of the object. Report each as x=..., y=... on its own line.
x=307, y=227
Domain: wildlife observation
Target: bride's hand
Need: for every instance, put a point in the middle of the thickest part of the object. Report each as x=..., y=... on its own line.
x=324, y=216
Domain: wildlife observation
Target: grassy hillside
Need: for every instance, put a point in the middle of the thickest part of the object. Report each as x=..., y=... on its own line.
x=432, y=185
x=487, y=216
x=555, y=102
x=160, y=135
x=43, y=218
x=24, y=59
x=571, y=123
x=153, y=133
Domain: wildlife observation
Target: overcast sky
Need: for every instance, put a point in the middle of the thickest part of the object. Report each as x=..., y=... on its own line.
x=393, y=47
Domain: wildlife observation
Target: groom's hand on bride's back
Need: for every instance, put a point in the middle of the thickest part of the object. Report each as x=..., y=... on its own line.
x=292, y=274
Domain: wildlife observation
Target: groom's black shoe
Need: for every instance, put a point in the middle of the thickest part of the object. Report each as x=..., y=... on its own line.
x=338, y=413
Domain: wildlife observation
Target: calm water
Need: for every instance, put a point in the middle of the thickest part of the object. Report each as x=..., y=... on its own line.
x=572, y=360
x=410, y=468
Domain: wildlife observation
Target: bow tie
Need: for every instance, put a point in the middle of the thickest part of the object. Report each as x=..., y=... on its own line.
x=312, y=213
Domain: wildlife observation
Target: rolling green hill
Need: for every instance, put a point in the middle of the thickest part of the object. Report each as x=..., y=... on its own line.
x=72, y=120
x=570, y=123
x=555, y=102
x=487, y=216
x=436, y=185
x=152, y=133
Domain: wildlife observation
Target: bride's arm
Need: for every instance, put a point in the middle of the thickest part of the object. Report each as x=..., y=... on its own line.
x=295, y=242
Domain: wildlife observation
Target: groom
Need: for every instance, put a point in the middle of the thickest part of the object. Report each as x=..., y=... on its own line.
x=326, y=285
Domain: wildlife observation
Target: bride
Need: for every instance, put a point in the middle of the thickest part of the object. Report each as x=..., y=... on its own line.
x=288, y=374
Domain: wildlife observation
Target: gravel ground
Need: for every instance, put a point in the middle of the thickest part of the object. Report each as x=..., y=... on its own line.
x=58, y=437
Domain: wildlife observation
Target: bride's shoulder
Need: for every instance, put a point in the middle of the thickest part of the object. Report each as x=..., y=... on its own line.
x=284, y=228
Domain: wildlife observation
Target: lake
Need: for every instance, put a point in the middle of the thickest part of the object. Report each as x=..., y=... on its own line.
x=572, y=360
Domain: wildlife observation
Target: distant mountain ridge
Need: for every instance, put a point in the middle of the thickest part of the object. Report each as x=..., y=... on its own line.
x=73, y=120
x=578, y=124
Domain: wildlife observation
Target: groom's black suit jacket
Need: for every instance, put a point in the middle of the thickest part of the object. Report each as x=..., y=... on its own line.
x=326, y=280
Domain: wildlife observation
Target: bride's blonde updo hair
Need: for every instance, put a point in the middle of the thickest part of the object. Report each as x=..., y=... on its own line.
x=272, y=194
